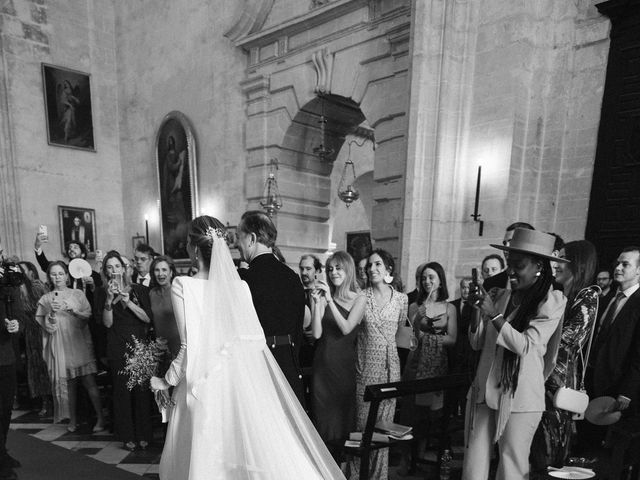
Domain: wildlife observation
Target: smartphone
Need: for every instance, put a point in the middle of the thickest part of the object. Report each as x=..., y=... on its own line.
x=117, y=278
x=474, y=276
x=43, y=232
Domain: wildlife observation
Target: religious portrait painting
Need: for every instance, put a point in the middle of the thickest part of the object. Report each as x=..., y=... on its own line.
x=67, y=100
x=79, y=225
x=177, y=184
x=359, y=244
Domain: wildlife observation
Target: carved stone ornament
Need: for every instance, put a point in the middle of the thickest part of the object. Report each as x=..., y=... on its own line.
x=323, y=63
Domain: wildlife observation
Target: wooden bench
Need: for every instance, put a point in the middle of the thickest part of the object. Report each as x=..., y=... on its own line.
x=376, y=394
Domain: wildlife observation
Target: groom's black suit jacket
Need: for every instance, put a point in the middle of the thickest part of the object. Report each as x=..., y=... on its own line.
x=278, y=297
x=617, y=362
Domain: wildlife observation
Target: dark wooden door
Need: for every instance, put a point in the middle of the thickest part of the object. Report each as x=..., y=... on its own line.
x=614, y=206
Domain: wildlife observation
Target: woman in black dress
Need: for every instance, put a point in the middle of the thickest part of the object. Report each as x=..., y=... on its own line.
x=125, y=311
x=337, y=309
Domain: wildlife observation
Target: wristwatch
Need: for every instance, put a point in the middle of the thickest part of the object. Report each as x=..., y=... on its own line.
x=108, y=307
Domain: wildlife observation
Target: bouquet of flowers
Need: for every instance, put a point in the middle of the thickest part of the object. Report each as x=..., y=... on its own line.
x=143, y=360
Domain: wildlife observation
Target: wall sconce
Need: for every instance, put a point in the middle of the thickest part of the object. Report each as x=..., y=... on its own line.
x=347, y=191
x=321, y=151
x=271, y=200
x=475, y=215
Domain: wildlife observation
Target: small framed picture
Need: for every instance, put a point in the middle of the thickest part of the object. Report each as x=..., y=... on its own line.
x=79, y=225
x=359, y=245
x=67, y=101
x=137, y=240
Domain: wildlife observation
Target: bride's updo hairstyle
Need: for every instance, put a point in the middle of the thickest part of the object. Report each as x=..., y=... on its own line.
x=198, y=235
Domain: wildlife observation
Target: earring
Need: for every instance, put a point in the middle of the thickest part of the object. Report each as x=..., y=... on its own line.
x=537, y=274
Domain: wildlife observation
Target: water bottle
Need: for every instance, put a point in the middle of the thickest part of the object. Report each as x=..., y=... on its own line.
x=445, y=465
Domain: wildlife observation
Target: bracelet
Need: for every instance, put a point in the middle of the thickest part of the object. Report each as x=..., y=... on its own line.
x=496, y=316
x=329, y=300
x=108, y=307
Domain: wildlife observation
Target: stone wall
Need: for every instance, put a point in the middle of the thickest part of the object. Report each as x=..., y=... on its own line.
x=174, y=56
x=35, y=177
x=516, y=88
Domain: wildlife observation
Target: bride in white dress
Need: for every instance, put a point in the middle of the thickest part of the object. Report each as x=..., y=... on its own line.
x=234, y=414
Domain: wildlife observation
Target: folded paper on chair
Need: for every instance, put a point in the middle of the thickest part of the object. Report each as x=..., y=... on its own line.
x=393, y=429
x=377, y=437
x=575, y=401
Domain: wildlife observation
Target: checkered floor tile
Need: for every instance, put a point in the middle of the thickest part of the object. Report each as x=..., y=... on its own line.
x=101, y=446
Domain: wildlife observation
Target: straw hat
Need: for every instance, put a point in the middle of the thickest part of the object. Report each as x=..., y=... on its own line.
x=532, y=242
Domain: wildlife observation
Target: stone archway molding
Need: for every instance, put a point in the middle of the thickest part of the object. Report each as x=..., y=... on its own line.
x=251, y=19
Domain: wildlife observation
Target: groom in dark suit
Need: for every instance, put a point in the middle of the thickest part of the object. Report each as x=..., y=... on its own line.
x=278, y=295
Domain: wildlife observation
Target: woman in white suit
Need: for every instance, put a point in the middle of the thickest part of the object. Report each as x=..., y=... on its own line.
x=518, y=330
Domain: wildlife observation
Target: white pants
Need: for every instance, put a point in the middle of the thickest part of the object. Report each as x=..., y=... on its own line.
x=514, y=445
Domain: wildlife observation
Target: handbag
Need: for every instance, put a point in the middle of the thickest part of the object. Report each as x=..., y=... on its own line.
x=406, y=336
x=570, y=399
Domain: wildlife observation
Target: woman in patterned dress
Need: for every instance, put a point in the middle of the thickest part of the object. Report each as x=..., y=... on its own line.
x=435, y=325
x=552, y=440
x=377, y=356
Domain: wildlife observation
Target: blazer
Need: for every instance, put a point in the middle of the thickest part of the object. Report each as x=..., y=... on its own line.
x=536, y=346
x=278, y=296
x=617, y=361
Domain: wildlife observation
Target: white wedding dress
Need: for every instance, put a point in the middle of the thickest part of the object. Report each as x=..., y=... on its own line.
x=235, y=415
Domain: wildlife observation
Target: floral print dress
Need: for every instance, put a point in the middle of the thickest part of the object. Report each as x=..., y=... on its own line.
x=377, y=362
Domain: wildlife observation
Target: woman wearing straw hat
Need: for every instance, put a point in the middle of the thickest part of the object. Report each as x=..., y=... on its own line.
x=518, y=330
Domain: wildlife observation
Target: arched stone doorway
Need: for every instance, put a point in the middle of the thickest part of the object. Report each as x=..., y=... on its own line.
x=362, y=68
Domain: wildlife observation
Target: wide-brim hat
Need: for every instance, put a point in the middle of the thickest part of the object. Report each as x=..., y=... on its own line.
x=532, y=242
x=599, y=411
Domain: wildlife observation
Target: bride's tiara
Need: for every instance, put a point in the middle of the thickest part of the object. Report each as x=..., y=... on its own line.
x=216, y=232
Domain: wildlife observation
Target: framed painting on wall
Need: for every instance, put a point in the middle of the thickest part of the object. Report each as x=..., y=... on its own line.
x=359, y=244
x=79, y=225
x=67, y=101
x=177, y=182
x=137, y=240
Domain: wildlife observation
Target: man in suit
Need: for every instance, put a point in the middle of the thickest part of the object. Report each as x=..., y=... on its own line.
x=615, y=355
x=278, y=295
x=613, y=367
x=501, y=280
x=142, y=256
x=74, y=249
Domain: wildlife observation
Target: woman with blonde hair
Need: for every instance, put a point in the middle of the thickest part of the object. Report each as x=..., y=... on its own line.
x=337, y=310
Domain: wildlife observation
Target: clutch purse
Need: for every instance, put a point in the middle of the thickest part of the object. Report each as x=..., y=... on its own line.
x=575, y=401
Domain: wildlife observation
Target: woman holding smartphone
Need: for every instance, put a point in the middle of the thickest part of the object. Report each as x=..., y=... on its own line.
x=124, y=309
x=67, y=347
x=337, y=309
x=518, y=331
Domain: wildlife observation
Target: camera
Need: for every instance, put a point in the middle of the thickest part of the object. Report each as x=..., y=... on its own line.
x=10, y=274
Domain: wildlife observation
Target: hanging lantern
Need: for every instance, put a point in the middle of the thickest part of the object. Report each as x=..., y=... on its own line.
x=322, y=151
x=271, y=200
x=347, y=191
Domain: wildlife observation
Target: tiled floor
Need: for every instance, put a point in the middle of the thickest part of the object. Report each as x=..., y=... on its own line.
x=101, y=446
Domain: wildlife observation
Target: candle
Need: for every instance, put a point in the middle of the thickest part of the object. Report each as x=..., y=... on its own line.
x=477, y=203
x=146, y=228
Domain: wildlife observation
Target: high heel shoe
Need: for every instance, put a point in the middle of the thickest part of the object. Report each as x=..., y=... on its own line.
x=98, y=427
x=131, y=446
x=143, y=445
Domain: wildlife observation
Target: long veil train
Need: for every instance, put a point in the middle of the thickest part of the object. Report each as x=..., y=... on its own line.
x=247, y=422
